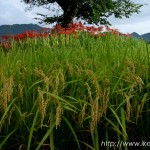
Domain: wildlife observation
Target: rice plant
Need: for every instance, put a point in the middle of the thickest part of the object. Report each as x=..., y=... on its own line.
x=73, y=92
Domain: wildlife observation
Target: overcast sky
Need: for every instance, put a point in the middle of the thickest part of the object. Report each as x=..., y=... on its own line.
x=13, y=12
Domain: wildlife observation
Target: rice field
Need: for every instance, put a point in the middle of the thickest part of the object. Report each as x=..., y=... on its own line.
x=74, y=93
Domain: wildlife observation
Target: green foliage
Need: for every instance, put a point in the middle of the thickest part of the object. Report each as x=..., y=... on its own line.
x=92, y=11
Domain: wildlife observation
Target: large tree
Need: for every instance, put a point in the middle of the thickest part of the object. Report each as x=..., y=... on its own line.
x=92, y=11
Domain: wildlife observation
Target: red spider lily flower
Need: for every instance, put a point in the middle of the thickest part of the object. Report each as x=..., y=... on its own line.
x=57, y=28
x=76, y=26
x=88, y=28
x=19, y=37
x=66, y=31
x=115, y=31
x=100, y=28
x=30, y=34
x=6, y=45
x=6, y=37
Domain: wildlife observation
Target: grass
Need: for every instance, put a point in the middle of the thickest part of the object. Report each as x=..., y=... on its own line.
x=73, y=93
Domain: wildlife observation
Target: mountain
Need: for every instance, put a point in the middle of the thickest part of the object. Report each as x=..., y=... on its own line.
x=136, y=35
x=145, y=36
x=18, y=28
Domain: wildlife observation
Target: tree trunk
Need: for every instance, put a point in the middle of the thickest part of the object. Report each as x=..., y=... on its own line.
x=70, y=10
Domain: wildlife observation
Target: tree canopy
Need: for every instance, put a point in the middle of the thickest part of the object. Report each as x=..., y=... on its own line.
x=92, y=11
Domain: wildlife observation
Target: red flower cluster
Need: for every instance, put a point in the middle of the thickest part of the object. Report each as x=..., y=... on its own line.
x=26, y=34
x=116, y=32
x=73, y=28
x=5, y=40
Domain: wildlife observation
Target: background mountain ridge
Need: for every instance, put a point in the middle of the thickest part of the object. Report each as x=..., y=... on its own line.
x=18, y=28
x=145, y=37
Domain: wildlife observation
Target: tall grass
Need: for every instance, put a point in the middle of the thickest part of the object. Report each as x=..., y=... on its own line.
x=72, y=93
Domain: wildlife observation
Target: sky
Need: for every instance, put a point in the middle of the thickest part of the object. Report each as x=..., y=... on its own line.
x=14, y=12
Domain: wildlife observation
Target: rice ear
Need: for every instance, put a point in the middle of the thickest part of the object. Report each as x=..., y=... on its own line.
x=7, y=91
